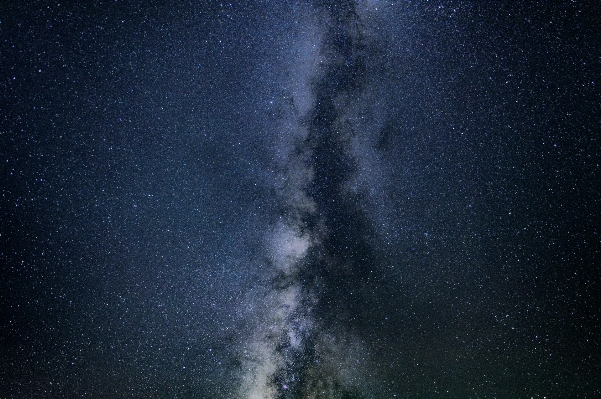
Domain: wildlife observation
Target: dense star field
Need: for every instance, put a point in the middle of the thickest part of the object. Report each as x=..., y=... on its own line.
x=300, y=199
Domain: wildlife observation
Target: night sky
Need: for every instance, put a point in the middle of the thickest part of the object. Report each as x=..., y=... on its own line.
x=300, y=199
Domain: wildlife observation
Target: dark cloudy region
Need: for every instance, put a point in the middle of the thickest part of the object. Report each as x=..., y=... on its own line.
x=311, y=199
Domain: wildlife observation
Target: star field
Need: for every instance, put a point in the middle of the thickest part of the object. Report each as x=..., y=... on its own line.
x=300, y=199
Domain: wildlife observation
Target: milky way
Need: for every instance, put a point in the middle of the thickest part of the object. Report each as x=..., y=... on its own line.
x=317, y=251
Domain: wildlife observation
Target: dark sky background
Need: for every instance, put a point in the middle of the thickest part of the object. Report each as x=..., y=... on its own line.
x=279, y=199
